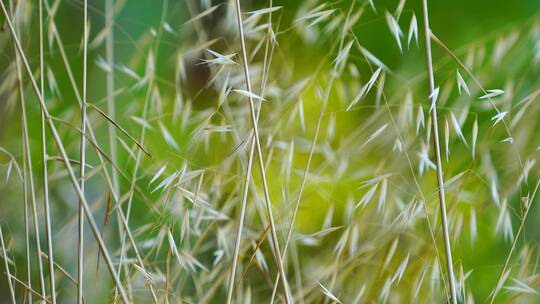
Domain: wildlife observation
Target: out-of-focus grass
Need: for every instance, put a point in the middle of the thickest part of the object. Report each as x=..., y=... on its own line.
x=345, y=248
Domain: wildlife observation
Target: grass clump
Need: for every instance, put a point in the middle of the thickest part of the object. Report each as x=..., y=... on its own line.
x=394, y=162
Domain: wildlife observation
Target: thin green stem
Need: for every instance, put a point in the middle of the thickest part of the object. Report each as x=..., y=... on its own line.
x=436, y=143
x=46, y=203
x=80, y=257
x=111, y=109
x=260, y=156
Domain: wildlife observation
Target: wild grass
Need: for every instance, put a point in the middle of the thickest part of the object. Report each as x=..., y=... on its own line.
x=433, y=96
x=394, y=164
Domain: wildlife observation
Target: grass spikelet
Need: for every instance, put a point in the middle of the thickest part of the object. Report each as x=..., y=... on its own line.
x=492, y=93
x=395, y=29
x=462, y=85
x=413, y=31
x=328, y=293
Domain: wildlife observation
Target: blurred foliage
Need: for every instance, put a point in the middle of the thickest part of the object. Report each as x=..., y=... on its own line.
x=362, y=228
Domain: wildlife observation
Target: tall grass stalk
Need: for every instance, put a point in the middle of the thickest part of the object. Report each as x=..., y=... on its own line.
x=111, y=108
x=273, y=231
x=64, y=157
x=243, y=204
x=28, y=177
x=80, y=256
x=29, y=187
x=436, y=144
x=111, y=111
x=45, y=173
x=72, y=81
x=76, y=90
x=90, y=131
x=92, y=138
x=25, y=191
